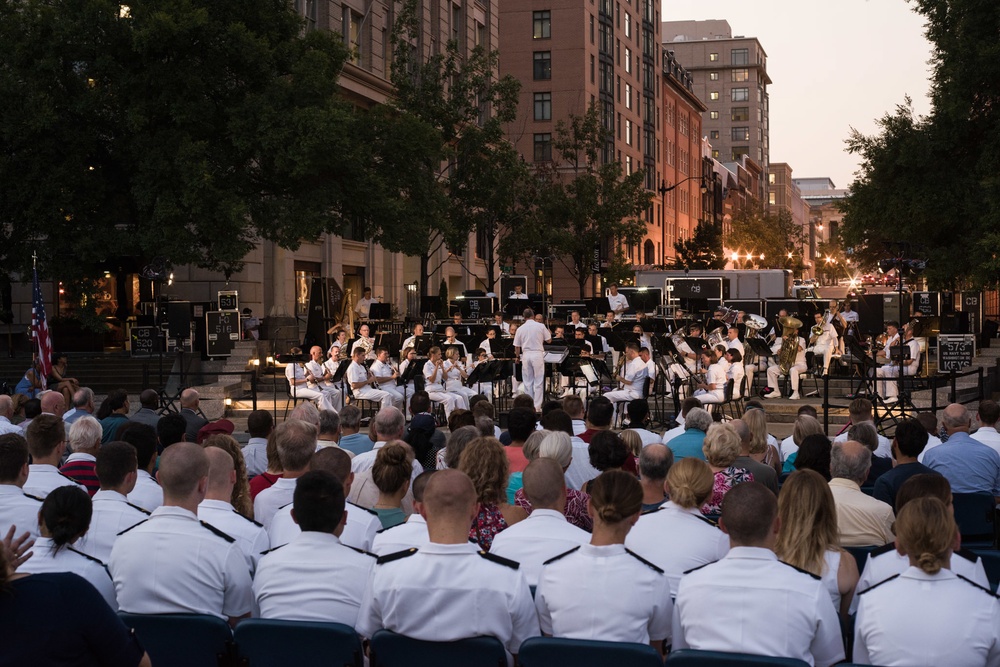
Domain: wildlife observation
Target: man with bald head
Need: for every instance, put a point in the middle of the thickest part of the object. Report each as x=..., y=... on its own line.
x=968, y=464
x=53, y=403
x=545, y=533
x=6, y=414
x=217, y=508
x=189, y=410
x=175, y=564
x=862, y=520
x=449, y=589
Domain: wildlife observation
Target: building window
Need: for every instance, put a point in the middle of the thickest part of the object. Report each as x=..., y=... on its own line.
x=771, y=198
x=628, y=60
x=591, y=28
x=456, y=23
x=628, y=132
x=741, y=113
x=543, y=147
x=593, y=68
x=713, y=57
x=628, y=95
x=741, y=57
x=543, y=65
x=543, y=106
x=770, y=178
x=714, y=134
x=715, y=154
x=352, y=32
x=714, y=95
x=739, y=152
x=628, y=165
x=741, y=75
x=741, y=133
x=307, y=9
x=713, y=76
x=714, y=115
x=628, y=25
x=740, y=94
x=480, y=34
x=542, y=25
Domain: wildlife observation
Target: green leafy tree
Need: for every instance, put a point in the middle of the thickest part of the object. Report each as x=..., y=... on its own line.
x=767, y=237
x=702, y=251
x=582, y=202
x=187, y=130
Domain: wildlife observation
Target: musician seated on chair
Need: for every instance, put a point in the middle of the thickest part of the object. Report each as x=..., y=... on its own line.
x=580, y=340
x=792, y=347
x=364, y=342
x=681, y=371
x=299, y=381
x=487, y=344
x=711, y=388
x=733, y=339
x=575, y=321
x=385, y=375
x=450, y=339
x=361, y=381
x=822, y=342
x=891, y=338
x=498, y=322
x=647, y=359
x=736, y=371
x=631, y=377
x=418, y=330
x=908, y=347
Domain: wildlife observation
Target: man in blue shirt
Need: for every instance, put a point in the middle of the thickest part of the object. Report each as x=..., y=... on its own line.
x=969, y=465
x=909, y=441
x=690, y=442
x=350, y=439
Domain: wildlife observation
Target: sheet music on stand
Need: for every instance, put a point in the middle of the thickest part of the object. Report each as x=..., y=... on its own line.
x=556, y=354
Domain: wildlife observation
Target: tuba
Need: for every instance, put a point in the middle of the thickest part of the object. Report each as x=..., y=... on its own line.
x=789, y=343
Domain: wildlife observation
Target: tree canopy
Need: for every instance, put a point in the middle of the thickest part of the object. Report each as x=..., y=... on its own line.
x=702, y=251
x=767, y=238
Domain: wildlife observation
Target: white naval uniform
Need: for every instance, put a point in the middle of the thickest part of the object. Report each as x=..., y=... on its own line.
x=455, y=385
x=481, y=387
x=250, y=535
x=647, y=436
x=736, y=373
x=580, y=471
x=175, y=564
x=918, y=619
x=543, y=535
x=113, y=514
x=435, y=388
x=312, y=578
x=18, y=509
x=408, y=535
x=358, y=373
x=273, y=498
x=799, y=367
x=826, y=345
x=531, y=338
x=634, y=372
x=70, y=559
x=889, y=388
x=318, y=370
x=750, y=602
x=410, y=387
x=885, y=562
x=677, y=540
x=447, y=592
x=326, y=398
x=255, y=456
x=884, y=448
x=363, y=307
x=147, y=493
x=605, y=593
x=617, y=302
x=362, y=526
x=716, y=376
x=380, y=370
x=44, y=478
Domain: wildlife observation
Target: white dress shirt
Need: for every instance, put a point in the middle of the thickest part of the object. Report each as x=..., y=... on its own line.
x=932, y=442
x=408, y=535
x=647, y=437
x=989, y=436
x=604, y=593
x=884, y=444
x=677, y=540
x=580, y=471
x=363, y=462
x=750, y=602
x=6, y=427
x=147, y=493
x=68, y=559
x=113, y=513
x=313, y=578
x=617, y=302
x=19, y=510
x=273, y=498
x=532, y=336
x=250, y=535
x=175, y=564
x=362, y=526
x=255, y=456
x=43, y=478
x=543, y=535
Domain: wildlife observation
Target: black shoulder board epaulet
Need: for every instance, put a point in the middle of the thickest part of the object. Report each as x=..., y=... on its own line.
x=500, y=560
x=706, y=520
x=361, y=551
x=366, y=509
x=136, y=507
x=874, y=586
x=967, y=555
x=68, y=477
x=218, y=532
x=287, y=504
x=259, y=525
x=88, y=556
x=799, y=569
x=388, y=558
x=643, y=560
x=267, y=551
x=972, y=583
x=563, y=554
x=695, y=569
x=382, y=530
x=884, y=549
x=41, y=500
x=131, y=527
x=652, y=511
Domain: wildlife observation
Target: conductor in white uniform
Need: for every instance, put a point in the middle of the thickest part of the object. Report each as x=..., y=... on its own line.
x=529, y=347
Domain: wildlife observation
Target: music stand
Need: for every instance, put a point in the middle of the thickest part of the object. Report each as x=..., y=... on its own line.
x=422, y=344
x=413, y=370
x=390, y=341
x=502, y=348
x=380, y=311
x=696, y=344
x=864, y=365
x=462, y=353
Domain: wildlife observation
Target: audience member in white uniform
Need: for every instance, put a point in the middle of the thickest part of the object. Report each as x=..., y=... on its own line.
x=62, y=521
x=147, y=493
x=302, y=384
x=434, y=379
x=638, y=420
x=601, y=590
x=808, y=537
x=46, y=438
x=362, y=524
x=217, y=509
x=18, y=511
x=545, y=533
x=779, y=610
x=677, y=537
x=413, y=532
x=113, y=513
x=314, y=577
x=449, y=589
x=928, y=615
x=260, y=423
x=573, y=405
x=296, y=442
x=175, y=564
x=988, y=415
x=320, y=377
x=655, y=461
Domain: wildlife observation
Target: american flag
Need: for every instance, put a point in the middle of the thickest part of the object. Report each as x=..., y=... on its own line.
x=40, y=329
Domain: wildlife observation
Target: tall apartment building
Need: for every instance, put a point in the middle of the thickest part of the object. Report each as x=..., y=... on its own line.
x=823, y=198
x=730, y=77
x=784, y=194
x=570, y=54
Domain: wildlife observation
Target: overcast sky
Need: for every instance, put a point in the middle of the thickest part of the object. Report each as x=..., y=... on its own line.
x=835, y=64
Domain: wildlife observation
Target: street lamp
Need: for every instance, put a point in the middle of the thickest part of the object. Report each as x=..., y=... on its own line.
x=663, y=190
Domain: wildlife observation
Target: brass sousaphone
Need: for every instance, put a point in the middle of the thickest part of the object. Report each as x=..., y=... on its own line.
x=789, y=343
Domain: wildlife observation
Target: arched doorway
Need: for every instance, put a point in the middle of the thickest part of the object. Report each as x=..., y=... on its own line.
x=648, y=252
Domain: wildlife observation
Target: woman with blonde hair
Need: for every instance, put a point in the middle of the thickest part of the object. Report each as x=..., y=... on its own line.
x=927, y=615
x=241, y=500
x=677, y=537
x=722, y=448
x=633, y=441
x=763, y=446
x=805, y=425
x=808, y=538
x=486, y=464
x=391, y=473
x=579, y=594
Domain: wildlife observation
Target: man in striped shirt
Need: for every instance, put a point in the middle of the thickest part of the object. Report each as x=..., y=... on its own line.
x=84, y=441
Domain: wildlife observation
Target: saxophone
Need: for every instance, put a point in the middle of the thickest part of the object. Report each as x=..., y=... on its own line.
x=789, y=343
